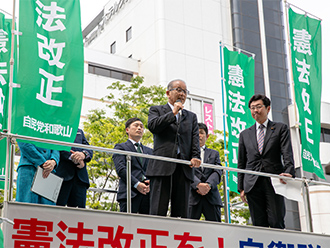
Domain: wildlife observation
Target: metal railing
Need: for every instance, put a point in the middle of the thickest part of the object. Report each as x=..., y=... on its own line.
x=304, y=181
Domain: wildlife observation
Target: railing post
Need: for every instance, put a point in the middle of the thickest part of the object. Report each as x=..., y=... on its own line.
x=7, y=169
x=226, y=196
x=307, y=206
x=11, y=168
x=128, y=184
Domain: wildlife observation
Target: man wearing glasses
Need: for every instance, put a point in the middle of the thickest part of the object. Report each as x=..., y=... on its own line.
x=176, y=135
x=264, y=147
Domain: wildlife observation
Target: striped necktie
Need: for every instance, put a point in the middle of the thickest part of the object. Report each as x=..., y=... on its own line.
x=261, y=138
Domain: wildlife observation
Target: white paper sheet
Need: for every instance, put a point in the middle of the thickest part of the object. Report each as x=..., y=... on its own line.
x=290, y=190
x=47, y=187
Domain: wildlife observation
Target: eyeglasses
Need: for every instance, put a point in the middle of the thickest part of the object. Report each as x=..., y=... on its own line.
x=258, y=107
x=179, y=90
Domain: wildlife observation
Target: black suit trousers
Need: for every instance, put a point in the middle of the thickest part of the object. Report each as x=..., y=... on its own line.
x=211, y=212
x=73, y=193
x=165, y=188
x=140, y=204
x=267, y=209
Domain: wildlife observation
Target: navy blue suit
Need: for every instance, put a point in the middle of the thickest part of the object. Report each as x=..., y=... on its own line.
x=75, y=180
x=140, y=202
x=210, y=203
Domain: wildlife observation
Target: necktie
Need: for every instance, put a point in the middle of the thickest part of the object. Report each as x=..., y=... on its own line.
x=261, y=137
x=177, y=117
x=202, y=157
x=138, y=148
x=202, y=154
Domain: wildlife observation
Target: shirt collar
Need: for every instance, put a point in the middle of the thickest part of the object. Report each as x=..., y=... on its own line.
x=171, y=106
x=203, y=147
x=265, y=124
x=133, y=141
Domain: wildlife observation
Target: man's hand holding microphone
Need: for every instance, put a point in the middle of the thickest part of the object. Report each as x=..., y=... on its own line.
x=178, y=106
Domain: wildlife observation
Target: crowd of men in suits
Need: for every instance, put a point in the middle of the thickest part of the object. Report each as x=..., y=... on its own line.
x=187, y=190
x=191, y=189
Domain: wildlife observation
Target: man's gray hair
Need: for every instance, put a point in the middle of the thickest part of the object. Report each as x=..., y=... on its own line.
x=170, y=84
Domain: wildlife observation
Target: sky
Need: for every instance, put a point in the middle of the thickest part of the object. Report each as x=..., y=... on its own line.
x=90, y=8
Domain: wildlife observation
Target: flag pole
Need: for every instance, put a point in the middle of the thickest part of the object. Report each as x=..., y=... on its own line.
x=307, y=206
x=297, y=124
x=10, y=98
x=225, y=183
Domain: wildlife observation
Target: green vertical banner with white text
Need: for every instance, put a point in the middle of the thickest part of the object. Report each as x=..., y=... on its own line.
x=239, y=84
x=51, y=70
x=5, y=52
x=306, y=50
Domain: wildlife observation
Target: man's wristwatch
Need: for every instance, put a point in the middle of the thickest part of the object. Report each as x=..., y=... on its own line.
x=86, y=153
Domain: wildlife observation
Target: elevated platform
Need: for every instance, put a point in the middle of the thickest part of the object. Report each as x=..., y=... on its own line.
x=53, y=226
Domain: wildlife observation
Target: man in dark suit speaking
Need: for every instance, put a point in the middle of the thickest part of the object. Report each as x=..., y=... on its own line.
x=264, y=147
x=140, y=184
x=205, y=197
x=176, y=135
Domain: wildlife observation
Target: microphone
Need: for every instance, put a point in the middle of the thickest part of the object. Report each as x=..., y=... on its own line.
x=180, y=111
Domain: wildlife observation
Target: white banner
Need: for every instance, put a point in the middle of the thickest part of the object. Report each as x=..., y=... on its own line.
x=51, y=226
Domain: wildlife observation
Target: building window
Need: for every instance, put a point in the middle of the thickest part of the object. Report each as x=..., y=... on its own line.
x=113, y=48
x=325, y=135
x=129, y=34
x=198, y=105
x=109, y=72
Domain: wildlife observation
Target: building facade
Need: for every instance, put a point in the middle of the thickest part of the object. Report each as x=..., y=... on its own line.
x=258, y=27
x=169, y=39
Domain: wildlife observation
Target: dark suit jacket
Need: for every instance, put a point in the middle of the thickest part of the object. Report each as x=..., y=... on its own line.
x=210, y=176
x=67, y=169
x=277, y=144
x=138, y=170
x=163, y=124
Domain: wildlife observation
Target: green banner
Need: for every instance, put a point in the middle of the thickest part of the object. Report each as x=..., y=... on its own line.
x=239, y=84
x=51, y=70
x=5, y=48
x=306, y=50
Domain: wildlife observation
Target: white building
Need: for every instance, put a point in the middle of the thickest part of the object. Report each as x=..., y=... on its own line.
x=169, y=39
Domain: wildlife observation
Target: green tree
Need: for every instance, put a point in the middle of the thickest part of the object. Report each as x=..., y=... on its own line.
x=127, y=100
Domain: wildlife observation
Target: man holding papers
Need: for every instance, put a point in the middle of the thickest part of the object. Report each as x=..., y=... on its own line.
x=32, y=157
